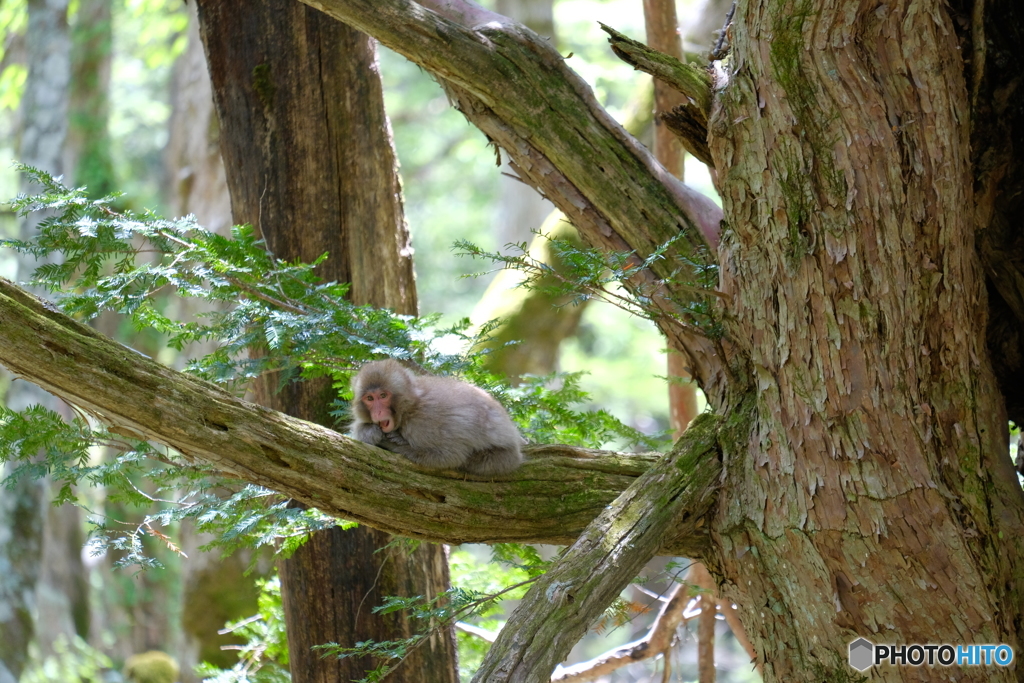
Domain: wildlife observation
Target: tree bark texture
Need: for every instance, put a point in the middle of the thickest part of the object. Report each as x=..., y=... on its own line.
x=312, y=95
x=284, y=87
x=873, y=495
x=867, y=489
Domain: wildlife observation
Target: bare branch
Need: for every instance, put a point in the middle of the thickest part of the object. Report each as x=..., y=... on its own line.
x=657, y=642
x=689, y=80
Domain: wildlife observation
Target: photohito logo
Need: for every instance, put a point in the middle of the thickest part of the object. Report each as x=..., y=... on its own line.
x=864, y=654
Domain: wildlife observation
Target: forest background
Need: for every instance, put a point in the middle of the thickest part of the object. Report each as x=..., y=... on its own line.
x=138, y=90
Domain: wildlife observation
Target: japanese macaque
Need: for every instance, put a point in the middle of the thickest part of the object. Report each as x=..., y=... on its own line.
x=436, y=422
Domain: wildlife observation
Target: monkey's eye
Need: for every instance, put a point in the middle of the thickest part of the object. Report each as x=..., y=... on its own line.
x=383, y=394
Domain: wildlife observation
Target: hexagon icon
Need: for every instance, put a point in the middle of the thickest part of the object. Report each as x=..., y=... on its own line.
x=862, y=654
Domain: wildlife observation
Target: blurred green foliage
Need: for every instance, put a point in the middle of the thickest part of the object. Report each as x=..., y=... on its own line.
x=73, y=660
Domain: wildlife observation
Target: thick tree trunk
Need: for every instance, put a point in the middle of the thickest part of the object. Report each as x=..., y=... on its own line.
x=873, y=496
x=323, y=178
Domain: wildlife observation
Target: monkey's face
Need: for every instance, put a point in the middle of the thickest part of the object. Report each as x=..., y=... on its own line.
x=378, y=404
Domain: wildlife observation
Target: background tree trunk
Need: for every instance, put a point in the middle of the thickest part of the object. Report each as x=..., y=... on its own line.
x=215, y=589
x=322, y=177
x=23, y=509
x=521, y=209
x=88, y=145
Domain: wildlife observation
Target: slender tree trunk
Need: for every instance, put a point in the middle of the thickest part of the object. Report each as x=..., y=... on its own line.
x=88, y=148
x=63, y=589
x=521, y=209
x=193, y=161
x=873, y=496
x=21, y=541
x=310, y=164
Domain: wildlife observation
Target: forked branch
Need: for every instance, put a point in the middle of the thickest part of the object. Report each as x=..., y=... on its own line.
x=554, y=614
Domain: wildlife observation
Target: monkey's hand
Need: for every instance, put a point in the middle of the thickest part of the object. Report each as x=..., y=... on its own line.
x=395, y=438
x=369, y=433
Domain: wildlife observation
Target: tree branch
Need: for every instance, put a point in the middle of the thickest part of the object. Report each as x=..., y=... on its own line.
x=691, y=81
x=520, y=92
x=689, y=121
x=558, y=609
x=551, y=499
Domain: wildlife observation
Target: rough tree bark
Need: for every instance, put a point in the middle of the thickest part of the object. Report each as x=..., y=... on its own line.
x=875, y=471
x=875, y=468
x=323, y=178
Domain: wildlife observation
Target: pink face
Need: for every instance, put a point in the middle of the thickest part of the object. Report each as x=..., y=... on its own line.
x=378, y=402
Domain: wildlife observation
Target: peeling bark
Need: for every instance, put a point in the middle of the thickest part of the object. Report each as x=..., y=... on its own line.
x=873, y=495
x=867, y=488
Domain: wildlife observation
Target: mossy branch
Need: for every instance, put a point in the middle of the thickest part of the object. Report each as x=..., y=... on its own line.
x=525, y=97
x=688, y=122
x=551, y=499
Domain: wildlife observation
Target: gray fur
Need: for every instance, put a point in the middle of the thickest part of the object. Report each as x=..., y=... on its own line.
x=440, y=422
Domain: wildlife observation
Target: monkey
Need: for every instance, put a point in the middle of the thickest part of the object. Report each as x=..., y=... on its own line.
x=437, y=422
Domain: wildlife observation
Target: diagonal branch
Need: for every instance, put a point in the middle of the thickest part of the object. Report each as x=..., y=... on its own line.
x=674, y=494
x=551, y=499
x=522, y=94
